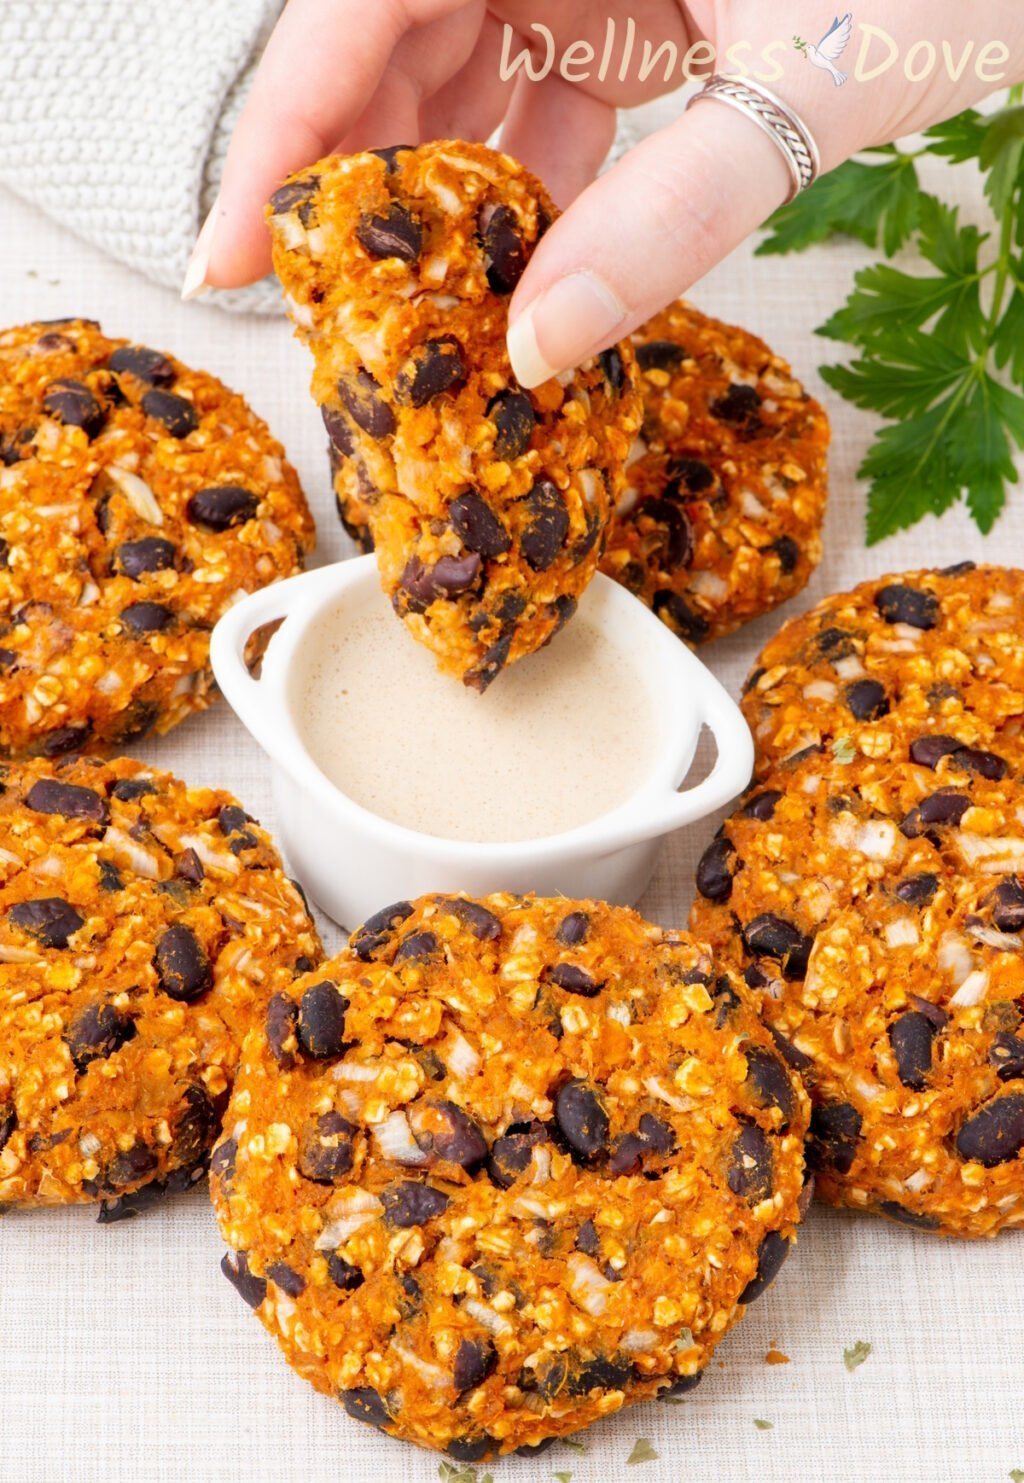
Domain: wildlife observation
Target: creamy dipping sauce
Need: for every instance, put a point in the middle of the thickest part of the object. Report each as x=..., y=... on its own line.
x=559, y=739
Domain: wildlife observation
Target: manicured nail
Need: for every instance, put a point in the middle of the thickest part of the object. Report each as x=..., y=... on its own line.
x=195, y=284
x=566, y=323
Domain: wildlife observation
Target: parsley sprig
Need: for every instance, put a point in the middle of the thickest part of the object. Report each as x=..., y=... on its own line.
x=940, y=353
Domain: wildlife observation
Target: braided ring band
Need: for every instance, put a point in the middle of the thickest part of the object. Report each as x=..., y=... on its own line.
x=773, y=117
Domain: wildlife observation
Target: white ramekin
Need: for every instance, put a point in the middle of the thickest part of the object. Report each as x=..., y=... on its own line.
x=352, y=862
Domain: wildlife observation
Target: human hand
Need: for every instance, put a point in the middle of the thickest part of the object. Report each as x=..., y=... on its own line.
x=348, y=75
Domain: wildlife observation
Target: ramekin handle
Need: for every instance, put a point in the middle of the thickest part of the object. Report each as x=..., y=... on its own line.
x=245, y=695
x=734, y=764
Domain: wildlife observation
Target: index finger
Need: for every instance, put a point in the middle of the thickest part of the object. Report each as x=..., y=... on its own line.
x=320, y=69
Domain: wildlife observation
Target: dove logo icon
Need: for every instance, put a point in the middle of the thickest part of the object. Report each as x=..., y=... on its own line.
x=830, y=48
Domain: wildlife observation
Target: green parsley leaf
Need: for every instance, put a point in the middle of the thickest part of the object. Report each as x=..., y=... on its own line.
x=843, y=750
x=563, y=1477
x=1017, y=1474
x=642, y=1452
x=869, y=202
x=572, y=1442
x=855, y=1356
x=959, y=138
x=763, y=1426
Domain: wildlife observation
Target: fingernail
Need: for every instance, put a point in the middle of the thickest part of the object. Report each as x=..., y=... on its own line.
x=194, y=284
x=566, y=323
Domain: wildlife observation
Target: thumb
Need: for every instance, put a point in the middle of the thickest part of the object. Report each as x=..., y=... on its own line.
x=641, y=235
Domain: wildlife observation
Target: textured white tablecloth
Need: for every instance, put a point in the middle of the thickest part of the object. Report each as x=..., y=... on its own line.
x=124, y=1355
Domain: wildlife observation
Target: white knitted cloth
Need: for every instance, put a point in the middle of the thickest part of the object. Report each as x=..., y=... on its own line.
x=115, y=116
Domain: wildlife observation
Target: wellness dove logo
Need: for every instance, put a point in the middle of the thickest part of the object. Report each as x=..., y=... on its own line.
x=830, y=48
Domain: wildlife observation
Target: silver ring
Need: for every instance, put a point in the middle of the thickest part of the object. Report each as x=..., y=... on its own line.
x=773, y=117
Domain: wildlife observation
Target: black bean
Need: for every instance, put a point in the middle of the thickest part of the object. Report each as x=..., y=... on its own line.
x=505, y=250
x=343, y=1274
x=433, y=368
x=288, y=196
x=958, y=569
x=770, y=1082
x=8, y=660
x=917, y=890
x=321, y=1022
x=150, y=366
x=725, y=999
x=131, y=1166
x=944, y=808
x=574, y=980
x=535, y=1449
x=677, y=549
x=129, y=790
x=613, y=368
x=492, y=663
x=111, y=878
x=147, y=617
x=8, y=1122
x=364, y=1404
x=477, y=526
x=469, y=1449
x=631, y=1149
x=475, y=1359
x=365, y=404
x=97, y=1032
x=907, y=1217
x=410, y=1295
x=660, y=355
x=582, y=1119
x=1007, y=901
x=604, y=1372
x=899, y=604
x=714, y=877
x=788, y=552
x=417, y=947
x=688, y=476
x=287, y=1279
x=221, y=507
x=65, y=739
x=928, y=751
x=177, y=414
x=281, y=1026
x=339, y=430
x=762, y=805
x=986, y=764
x=750, y=1169
x=740, y=406
x=682, y=1386
x=676, y=613
x=769, y=936
x=399, y=234
x=72, y=403
x=548, y=1377
x=866, y=700
x=1006, y=1054
x=48, y=796
x=836, y=643
x=514, y=420
x=447, y=578
x=390, y=155
x=547, y=526
x=184, y=970
x=511, y=1154
x=573, y=929
x=794, y=1058
x=151, y=554
x=911, y=1038
x=196, y=1127
x=235, y=1266
x=49, y=919
x=411, y=1204
x=835, y=1133
x=377, y=930
x=137, y=1202
x=995, y=1135
x=444, y=1131
x=327, y=1149
x=483, y=924
x=222, y=1161
x=771, y=1254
